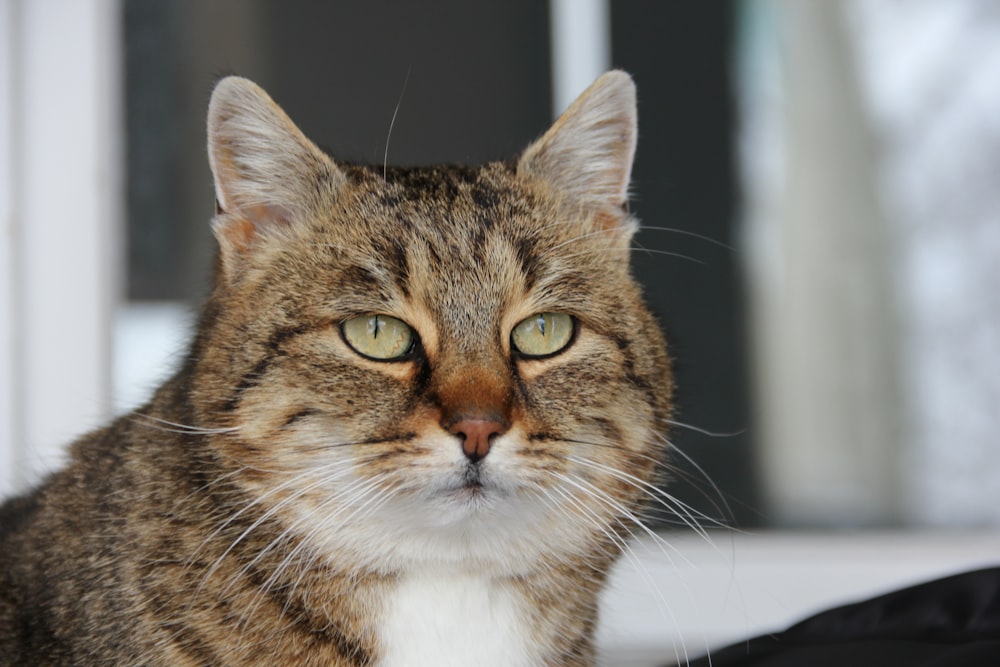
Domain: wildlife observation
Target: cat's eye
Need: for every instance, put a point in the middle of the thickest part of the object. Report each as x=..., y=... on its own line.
x=379, y=337
x=543, y=334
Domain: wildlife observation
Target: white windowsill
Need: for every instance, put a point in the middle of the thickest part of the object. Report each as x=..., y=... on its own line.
x=744, y=585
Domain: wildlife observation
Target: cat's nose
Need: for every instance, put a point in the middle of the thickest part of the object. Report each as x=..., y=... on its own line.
x=477, y=436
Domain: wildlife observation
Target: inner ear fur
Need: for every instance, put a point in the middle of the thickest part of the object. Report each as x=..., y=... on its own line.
x=264, y=167
x=587, y=154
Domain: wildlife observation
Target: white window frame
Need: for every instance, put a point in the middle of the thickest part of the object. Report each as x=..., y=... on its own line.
x=581, y=47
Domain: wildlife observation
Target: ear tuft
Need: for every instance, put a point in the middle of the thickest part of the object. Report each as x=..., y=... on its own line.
x=265, y=169
x=588, y=151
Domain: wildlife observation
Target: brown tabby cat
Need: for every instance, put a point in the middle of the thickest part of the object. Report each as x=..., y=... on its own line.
x=414, y=427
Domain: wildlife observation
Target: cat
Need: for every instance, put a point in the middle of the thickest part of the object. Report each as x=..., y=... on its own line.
x=418, y=419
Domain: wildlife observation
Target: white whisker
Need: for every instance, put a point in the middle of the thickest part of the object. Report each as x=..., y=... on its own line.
x=392, y=123
x=599, y=232
x=327, y=525
x=623, y=545
x=666, y=253
x=684, y=232
x=686, y=513
x=174, y=427
x=266, y=516
x=701, y=471
x=704, y=431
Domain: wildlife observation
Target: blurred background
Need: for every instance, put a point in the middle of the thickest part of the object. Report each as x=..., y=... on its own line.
x=816, y=182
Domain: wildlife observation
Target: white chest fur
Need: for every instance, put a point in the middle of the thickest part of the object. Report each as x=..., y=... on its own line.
x=443, y=620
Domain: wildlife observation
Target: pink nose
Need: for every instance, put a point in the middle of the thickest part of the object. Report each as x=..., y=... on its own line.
x=476, y=435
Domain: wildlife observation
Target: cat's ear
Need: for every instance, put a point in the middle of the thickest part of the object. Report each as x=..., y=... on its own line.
x=265, y=169
x=588, y=151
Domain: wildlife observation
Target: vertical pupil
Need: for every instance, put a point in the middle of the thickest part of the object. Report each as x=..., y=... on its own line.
x=375, y=326
x=541, y=324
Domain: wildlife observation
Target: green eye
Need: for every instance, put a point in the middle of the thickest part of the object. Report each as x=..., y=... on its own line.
x=378, y=336
x=543, y=334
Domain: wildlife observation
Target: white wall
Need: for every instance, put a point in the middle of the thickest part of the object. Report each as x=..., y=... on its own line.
x=60, y=196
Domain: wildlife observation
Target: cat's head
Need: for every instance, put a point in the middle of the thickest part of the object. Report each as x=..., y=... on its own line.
x=432, y=364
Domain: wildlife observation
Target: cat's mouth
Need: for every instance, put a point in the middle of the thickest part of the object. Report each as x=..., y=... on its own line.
x=474, y=485
x=473, y=475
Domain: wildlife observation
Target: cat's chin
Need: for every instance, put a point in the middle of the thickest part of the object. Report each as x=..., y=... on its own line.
x=464, y=504
x=493, y=515
x=480, y=526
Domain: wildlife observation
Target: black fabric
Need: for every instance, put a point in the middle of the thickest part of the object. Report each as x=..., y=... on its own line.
x=950, y=622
